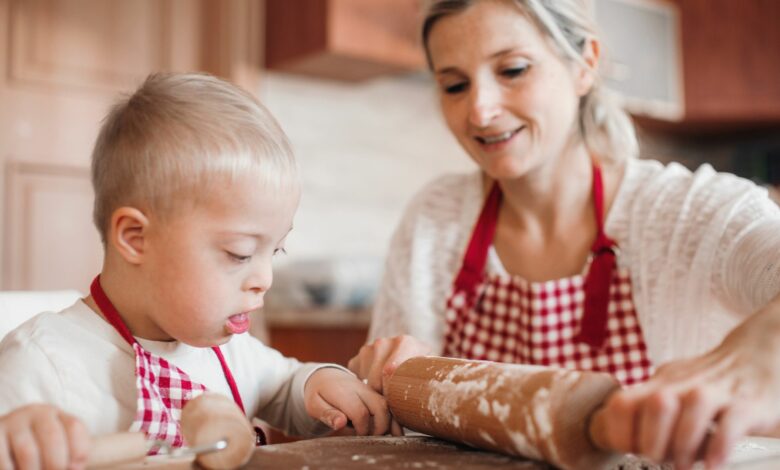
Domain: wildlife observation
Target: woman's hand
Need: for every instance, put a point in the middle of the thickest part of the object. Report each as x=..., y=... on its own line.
x=335, y=397
x=698, y=408
x=377, y=361
x=42, y=436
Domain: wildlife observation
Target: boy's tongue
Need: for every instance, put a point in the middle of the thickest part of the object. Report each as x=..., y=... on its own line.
x=237, y=324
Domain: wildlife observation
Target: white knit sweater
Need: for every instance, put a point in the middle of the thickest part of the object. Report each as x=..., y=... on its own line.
x=703, y=250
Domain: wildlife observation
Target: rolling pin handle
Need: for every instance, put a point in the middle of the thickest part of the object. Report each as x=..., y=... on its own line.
x=110, y=450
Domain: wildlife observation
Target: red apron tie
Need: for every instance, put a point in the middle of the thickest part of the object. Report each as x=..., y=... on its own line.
x=593, y=329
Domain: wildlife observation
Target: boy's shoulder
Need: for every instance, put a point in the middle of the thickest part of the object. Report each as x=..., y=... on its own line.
x=59, y=335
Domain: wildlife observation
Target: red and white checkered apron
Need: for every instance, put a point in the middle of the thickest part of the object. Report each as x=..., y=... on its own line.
x=163, y=388
x=581, y=322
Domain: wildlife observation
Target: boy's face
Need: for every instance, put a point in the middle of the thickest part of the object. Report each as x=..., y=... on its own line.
x=209, y=267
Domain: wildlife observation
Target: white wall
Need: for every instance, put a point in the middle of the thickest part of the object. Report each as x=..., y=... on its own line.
x=364, y=150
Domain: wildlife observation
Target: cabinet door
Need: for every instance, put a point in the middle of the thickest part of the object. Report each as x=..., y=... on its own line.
x=62, y=63
x=731, y=60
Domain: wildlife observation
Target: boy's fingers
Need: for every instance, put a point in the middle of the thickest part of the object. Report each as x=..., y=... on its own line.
x=326, y=413
x=78, y=439
x=5, y=451
x=377, y=407
x=51, y=441
x=334, y=418
x=351, y=405
x=396, y=429
x=24, y=450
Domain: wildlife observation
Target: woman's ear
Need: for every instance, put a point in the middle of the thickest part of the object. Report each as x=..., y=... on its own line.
x=128, y=233
x=586, y=76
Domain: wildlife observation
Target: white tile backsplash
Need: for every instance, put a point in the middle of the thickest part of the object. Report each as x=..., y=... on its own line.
x=364, y=149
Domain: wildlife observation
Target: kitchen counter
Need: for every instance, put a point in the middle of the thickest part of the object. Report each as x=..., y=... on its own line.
x=421, y=452
x=317, y=318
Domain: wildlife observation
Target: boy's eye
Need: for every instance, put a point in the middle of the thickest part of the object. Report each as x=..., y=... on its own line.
x=239, y=258
x=280, y=251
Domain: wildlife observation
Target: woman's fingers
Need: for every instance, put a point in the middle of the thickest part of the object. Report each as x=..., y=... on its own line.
x=383, y=348
x=619, y=417
x=375, y=362
x=730, y=427
x=699, y=408
x=657, y=417
x=404, y=347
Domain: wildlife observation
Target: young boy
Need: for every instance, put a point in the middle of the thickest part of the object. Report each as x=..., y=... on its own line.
x=195, y=191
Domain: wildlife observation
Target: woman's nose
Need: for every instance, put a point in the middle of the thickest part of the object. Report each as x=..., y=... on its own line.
x=485, y=105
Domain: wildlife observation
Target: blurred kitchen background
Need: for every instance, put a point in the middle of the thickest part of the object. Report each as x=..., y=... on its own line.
x=347, y=81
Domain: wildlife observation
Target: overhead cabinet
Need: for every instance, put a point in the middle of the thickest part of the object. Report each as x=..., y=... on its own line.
x=343, y=39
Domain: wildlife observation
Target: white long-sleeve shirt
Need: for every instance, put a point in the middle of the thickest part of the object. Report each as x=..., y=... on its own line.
x=703, y=250
x=77, y=361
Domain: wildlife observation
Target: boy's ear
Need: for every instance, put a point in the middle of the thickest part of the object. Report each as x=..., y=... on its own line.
x=128, y=233
x=586, y=77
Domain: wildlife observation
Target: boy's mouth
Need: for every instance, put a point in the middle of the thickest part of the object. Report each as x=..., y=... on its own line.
x=237, y=324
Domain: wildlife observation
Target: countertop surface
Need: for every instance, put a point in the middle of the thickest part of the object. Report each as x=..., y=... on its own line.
x=421, y=452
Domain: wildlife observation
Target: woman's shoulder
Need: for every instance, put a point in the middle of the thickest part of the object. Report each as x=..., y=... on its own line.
x=661, y=196
x=650, y=181
x=446, y=197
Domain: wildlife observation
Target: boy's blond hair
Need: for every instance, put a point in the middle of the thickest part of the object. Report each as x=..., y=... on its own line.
x=161, y=148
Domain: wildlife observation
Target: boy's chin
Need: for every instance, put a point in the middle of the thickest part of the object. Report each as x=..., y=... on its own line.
x=208, y=343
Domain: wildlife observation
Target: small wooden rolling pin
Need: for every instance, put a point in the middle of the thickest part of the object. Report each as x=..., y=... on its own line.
x=207, y=419
x=529, y=411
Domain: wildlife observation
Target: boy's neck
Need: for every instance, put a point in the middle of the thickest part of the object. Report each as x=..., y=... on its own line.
x=126, y=302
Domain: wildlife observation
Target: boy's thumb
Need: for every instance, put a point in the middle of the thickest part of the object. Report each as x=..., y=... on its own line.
x=334, y=418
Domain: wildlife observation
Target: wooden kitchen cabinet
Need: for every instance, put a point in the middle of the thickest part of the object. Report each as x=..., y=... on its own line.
x=335, y=344
x=342, y=39
x=731, y=65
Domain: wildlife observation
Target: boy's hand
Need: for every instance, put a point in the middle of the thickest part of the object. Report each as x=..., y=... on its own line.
x=335, y=397
x=42, y=436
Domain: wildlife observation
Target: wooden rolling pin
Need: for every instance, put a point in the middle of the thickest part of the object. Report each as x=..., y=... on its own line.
x=205, y=420
x=529, y=411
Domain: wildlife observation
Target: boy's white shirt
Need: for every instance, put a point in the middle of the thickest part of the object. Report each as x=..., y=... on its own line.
x=77, y=361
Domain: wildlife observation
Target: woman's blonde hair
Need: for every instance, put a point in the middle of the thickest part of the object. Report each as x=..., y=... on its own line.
x=606, y=128
x=163, y=147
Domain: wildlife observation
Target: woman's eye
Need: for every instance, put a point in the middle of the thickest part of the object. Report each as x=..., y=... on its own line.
x=454, y=88
x=239, y=258
x=280, y=251
x=513, y=72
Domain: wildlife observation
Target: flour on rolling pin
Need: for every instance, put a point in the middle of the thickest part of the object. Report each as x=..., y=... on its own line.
x=530, y=411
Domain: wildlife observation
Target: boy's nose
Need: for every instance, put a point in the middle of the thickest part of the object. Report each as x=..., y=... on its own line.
x=260, y=279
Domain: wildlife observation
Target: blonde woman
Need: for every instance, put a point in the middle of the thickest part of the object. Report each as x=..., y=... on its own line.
x=565, y=250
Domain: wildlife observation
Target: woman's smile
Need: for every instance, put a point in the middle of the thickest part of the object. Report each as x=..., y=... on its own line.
x=497, y=141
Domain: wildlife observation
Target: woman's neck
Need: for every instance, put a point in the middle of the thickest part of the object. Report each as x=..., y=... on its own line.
x=552, y=198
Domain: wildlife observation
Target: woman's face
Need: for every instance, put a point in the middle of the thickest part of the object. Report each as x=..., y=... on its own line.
x=506, y=94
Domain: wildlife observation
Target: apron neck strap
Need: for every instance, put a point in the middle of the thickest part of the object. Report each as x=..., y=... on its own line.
x=471, y=273
x=109, y=311
x=602, y=241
